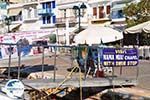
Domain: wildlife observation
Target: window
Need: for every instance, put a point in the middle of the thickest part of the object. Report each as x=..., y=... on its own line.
x=54, y=19
x=108, y=9
x=48, y=5
x=29, y=13
x=64, y=13
x=43, y=20
x=43, y=5
x=94, y=11
x=48, y=19
x=101, y=13
x=53, y=4
x=120, y=14
x=117, y=14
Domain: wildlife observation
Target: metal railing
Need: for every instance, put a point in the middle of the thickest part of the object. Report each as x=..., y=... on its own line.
x=45, y=58
x=62, y=20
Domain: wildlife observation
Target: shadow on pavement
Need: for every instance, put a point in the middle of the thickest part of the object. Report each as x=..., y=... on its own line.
x=26, y=70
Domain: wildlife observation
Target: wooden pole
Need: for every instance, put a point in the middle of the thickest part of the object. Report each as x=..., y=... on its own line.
x=55, y=65
x=9, y=63
x=43, y=62
x=19, y=60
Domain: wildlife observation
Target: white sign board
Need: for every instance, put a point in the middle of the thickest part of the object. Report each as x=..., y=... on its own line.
x=14, y=88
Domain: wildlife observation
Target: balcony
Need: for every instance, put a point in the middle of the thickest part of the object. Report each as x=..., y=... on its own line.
x=47, y=11
x=30, y=19
x=63, y=20
x=30, y=2
x=50, y=25
x=67, y=1
x=16, y=19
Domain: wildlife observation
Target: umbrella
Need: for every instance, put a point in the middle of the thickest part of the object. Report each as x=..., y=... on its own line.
x=139, y=28
x=96, y=34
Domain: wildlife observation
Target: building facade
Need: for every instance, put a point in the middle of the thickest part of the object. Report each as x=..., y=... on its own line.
x=117, y=16
x=39, y=13
x=100, y=11
x=47, y=14
x=59, y=15
x=32, y=15
x=67, y=22
x=3, y=12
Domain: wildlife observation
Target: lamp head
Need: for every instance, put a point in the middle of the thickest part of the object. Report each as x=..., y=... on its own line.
x=83, y=6
x=75, y=7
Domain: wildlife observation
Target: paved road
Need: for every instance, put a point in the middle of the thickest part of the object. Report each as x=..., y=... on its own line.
x=143, y=76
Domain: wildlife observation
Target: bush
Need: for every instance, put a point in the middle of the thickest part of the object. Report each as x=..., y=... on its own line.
x=52, y=38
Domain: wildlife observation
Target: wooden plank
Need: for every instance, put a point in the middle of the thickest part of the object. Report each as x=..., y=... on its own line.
x=89, y=82
x=134, y=91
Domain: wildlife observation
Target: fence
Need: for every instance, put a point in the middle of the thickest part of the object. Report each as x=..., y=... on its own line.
x=55, y=62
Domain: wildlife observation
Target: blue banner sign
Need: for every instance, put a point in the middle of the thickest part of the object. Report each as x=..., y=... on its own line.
x=119, y=57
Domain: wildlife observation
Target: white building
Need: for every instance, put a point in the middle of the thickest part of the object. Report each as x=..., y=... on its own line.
x=117, y=16
x=3, y=12
x=32, y=16
x=37, y=13
x=59, y=16
x=100, y=11
x=66, y=20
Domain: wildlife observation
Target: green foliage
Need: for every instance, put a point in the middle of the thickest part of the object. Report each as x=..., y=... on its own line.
x=137, y=12
x=52, y=38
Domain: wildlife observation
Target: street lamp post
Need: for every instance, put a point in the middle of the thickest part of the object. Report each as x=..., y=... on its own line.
x=8, y=22
x=79, y=12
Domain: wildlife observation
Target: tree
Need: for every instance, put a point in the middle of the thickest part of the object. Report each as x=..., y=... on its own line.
x=137, y=12
x=52, y=38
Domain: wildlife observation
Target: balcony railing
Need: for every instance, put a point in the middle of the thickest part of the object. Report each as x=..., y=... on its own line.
x=63, y=20
x=47, y=11
x=66, y=1
x=29, y=1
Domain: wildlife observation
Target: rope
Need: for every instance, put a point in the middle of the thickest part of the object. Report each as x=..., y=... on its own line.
x=68, y=77
x=41, y=91
x=75, y=64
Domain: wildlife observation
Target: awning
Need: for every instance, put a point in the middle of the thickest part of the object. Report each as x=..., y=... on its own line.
x=146, y=29
x=25, y=26
x=14, y=11
x=96, y=34
x=118, y=7
x=13, y=26
x=15, y=1
x=139, y=28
